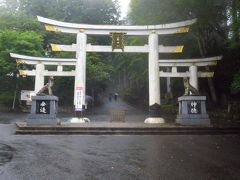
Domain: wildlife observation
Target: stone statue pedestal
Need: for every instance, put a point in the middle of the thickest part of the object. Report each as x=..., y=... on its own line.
x=43, y=110
x=192, y=111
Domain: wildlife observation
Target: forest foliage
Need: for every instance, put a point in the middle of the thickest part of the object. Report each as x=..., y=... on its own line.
x=216, y=32
x=21, y=33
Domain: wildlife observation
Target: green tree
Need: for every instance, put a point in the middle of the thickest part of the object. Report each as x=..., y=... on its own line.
x=79, y=11
x=235, y=86
x=20, y=15
x=19, y=21
x=235, y=23
x=11, y=41
x=207, y=37
x=234, y=43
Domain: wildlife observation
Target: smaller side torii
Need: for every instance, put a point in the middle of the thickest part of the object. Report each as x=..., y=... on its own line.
x=193, y=74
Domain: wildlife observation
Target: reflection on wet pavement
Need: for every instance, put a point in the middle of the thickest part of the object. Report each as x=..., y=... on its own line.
x=6, y=153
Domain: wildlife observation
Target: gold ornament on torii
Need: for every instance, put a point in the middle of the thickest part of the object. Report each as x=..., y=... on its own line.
x=118, y=40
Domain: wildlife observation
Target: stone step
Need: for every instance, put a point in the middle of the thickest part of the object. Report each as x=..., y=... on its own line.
x=92, y=129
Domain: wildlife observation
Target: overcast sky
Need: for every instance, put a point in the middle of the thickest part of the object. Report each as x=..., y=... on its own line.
x=124, y=7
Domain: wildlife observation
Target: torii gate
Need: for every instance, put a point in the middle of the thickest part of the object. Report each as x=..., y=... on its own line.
x=193, y=74
x=81, y=47
x=39, y=72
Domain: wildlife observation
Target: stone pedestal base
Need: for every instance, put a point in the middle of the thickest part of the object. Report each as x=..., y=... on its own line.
x=153, y=120
x=79, y=120
x=192, y=111
x=155, y=110
x=155, y=115
x=43, y=110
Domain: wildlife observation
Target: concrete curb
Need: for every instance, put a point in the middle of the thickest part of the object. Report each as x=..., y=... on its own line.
x=123, y=129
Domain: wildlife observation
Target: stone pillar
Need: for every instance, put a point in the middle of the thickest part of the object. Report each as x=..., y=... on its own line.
x=193, y=80
x=80, y=77
x=154, y=80
x=39, y=78
x=60, y=68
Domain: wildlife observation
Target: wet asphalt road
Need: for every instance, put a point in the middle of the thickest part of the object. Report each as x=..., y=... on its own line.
x=114, y=157
x=63, y=157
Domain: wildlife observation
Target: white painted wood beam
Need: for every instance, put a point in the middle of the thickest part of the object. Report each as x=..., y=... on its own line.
x=128, y=49
x=184, y=74
x=212, y=61
x=39, y=77
x=172, y=28
x=47, y=73
x=22, y=59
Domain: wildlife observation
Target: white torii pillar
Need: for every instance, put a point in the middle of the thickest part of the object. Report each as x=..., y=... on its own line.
x=169, y=89
x=80, y=78
x=39, y=79
x=193, y=80
x=154, y=81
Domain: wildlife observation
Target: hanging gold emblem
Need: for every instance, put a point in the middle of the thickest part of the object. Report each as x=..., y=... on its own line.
x=118, y=40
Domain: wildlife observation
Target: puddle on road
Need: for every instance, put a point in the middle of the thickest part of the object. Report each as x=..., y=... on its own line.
x=6, y=154
x=4, y=120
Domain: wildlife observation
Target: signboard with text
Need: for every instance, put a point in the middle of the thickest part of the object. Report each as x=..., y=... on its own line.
x=79, y=99
x=26, y=95
x=194, y=107
x=42, y=107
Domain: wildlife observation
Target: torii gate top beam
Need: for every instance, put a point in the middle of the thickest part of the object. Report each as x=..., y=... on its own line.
x=172, y=28
x=21, y=59
x=189, y=62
